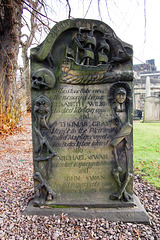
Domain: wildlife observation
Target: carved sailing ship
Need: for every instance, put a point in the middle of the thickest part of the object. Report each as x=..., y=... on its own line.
x=91, y=60
x=84, y=58
x=103, y=51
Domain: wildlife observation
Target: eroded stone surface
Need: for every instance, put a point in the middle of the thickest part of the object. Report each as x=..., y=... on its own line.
x=82, y=116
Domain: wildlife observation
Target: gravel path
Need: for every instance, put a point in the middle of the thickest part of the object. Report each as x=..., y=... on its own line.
x=16, y=189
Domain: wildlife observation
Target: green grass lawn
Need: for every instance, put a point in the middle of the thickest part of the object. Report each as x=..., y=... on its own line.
x=146, y=138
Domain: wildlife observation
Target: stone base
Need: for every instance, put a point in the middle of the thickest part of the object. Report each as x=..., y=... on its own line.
x=135, y=214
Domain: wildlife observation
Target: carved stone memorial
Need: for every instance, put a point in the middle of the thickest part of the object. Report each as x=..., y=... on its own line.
x=81, y=80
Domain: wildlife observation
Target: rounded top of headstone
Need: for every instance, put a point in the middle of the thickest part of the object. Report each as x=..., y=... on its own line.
x=42, y=51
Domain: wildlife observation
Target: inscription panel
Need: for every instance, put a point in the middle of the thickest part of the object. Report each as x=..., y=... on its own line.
x=82, y=128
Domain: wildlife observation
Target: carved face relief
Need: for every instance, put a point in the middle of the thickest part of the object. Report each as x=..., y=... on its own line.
x=42, y=110
x=43, y=78
x=120, y=95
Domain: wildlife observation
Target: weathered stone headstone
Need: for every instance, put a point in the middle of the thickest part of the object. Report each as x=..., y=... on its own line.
x=81, y=79
x=152, y=109
x=151, y=105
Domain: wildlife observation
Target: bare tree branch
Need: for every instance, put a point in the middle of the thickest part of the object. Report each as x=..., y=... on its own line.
x=40, y=20
x=69, y=13
x=26, y=24
x=99, y=10
x=106, y=1
x=37, y=11
x=88, y=9
x=44, y=8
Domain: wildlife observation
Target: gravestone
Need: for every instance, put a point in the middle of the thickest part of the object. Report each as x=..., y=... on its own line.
x=152, y=109
x=151, y=105
x=81, y=89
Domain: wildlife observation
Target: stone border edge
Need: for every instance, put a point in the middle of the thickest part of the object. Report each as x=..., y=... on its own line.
x=135, y=214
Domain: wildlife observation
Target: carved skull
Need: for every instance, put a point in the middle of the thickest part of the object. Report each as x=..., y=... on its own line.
x=43, y=78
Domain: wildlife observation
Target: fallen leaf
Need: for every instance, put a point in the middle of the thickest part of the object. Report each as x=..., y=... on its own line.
x=137, y=232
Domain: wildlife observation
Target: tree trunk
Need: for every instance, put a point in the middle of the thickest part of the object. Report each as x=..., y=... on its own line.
x=10, y=27
x=26, y=76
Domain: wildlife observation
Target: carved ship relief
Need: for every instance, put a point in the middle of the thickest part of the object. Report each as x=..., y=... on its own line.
x=90, y=61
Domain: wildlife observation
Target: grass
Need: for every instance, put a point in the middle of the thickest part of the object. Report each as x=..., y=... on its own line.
x=146, y=138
